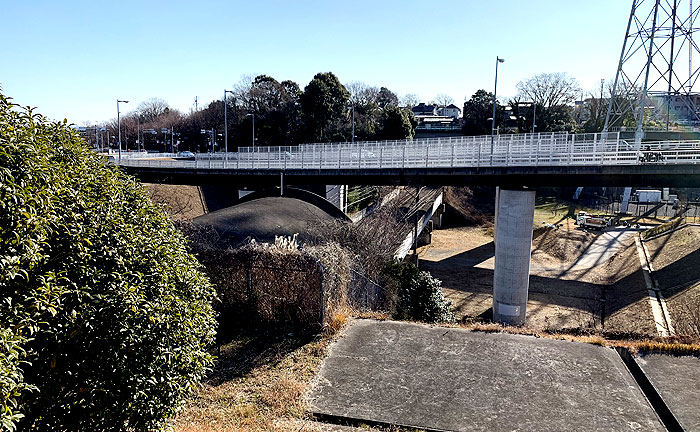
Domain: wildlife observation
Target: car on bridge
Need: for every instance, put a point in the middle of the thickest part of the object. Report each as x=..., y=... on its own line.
x=364, y=154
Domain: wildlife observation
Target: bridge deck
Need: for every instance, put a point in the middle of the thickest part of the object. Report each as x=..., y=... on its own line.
x=527, y=159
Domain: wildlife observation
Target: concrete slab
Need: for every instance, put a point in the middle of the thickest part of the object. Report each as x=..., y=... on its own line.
x=456, y=380
x=676, y=379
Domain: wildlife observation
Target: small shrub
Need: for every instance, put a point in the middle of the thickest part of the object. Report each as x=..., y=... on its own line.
x=420, y=295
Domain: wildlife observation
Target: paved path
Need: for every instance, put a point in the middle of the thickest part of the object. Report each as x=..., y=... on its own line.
x=607, y=244
x=449, y=379
x=677, y=379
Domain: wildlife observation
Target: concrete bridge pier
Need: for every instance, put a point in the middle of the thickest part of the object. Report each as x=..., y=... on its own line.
x=515, y=211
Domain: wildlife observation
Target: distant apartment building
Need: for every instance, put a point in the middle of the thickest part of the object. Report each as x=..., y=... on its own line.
x=682, y=108
x=95, y=136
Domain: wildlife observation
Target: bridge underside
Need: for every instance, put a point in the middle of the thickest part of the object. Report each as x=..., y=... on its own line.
x=515, y=204
x=588, y=175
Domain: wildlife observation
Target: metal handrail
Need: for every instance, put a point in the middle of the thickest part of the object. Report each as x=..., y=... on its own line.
x=547, y=149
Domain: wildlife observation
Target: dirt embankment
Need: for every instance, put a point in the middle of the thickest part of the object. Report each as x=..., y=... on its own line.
x=675, y=258
x=182, y=202
x=563, y=244
x=468, y=206
x=562, y=293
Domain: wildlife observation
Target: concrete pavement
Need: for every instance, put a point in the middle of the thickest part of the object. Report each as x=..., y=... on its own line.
x=450, y=379
x=676, y=380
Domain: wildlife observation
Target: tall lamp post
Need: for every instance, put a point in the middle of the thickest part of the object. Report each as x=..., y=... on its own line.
x=226, y=124
x=253, y=115
x=119, y=129
x=352, y=106
x=493, y=118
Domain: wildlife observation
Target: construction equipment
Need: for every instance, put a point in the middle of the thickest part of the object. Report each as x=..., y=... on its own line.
x=596, y=222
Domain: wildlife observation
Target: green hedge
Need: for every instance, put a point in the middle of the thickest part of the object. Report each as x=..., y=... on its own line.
x=98, y=288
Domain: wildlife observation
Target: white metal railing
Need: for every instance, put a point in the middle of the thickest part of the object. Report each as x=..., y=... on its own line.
x=546, y=149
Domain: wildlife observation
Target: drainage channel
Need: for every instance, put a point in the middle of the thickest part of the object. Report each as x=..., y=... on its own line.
x=659, y=311
x=655, y=400
x=360, y=423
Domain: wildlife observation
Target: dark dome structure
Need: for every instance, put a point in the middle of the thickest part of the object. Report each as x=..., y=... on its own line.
x=263, y=217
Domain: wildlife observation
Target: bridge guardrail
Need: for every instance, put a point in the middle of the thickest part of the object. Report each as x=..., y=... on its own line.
x=508, y=150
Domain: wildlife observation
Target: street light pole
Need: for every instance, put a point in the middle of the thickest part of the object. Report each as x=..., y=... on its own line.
x=119, y=129
x=352, y=105
x=534, y=113
x=493, y=118
x=253, y=115
x=226, y=124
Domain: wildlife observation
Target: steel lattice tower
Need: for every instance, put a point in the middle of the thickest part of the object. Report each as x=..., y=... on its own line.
x=655, y=76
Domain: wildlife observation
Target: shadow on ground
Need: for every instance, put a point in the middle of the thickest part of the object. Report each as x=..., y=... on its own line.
x=250, y=350
x=557, y=299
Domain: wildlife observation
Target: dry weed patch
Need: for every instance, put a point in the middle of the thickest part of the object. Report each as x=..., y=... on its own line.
x=259, y=382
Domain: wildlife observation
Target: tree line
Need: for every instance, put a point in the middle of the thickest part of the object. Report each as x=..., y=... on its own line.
x=546, y=102
x=281, y=112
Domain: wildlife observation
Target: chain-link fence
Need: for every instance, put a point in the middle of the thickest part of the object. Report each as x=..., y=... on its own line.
x=278, y=284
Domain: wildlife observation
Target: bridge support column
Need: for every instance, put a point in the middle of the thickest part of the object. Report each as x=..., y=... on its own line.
x=513, y=239
x=338, y=195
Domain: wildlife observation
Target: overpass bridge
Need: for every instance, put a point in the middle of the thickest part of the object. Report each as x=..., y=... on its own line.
x=513, y=163
x=542, y=159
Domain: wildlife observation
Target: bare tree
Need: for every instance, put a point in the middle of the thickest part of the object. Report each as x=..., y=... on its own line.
x=152, y=108
x=443, y=100
x=241, y=91
x=361, y=93
x=409, y=100
x=549, y=89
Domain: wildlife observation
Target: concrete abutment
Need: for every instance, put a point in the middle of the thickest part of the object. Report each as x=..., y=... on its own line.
x=515, y=212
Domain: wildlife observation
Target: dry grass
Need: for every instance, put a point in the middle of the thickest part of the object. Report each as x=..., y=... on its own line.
x=258, y=384
x=635, y=343
x=557, y=211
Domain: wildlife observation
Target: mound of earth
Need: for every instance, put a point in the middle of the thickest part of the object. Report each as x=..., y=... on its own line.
x=182, y=202
x=264, y=218
x=564, y=244
x=468, y=206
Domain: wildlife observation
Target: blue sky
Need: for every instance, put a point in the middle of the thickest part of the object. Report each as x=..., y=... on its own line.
x=73, y=59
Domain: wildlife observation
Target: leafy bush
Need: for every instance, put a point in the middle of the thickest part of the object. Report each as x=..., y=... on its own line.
x=11, y=378
x=420, y=295
x=98, y=289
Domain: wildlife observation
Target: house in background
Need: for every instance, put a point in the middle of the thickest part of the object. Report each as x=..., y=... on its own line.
x=432, y=118
x=450, y=110
x=424, y=110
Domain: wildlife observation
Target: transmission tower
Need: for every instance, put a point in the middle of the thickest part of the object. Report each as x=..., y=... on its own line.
x=654, y=84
